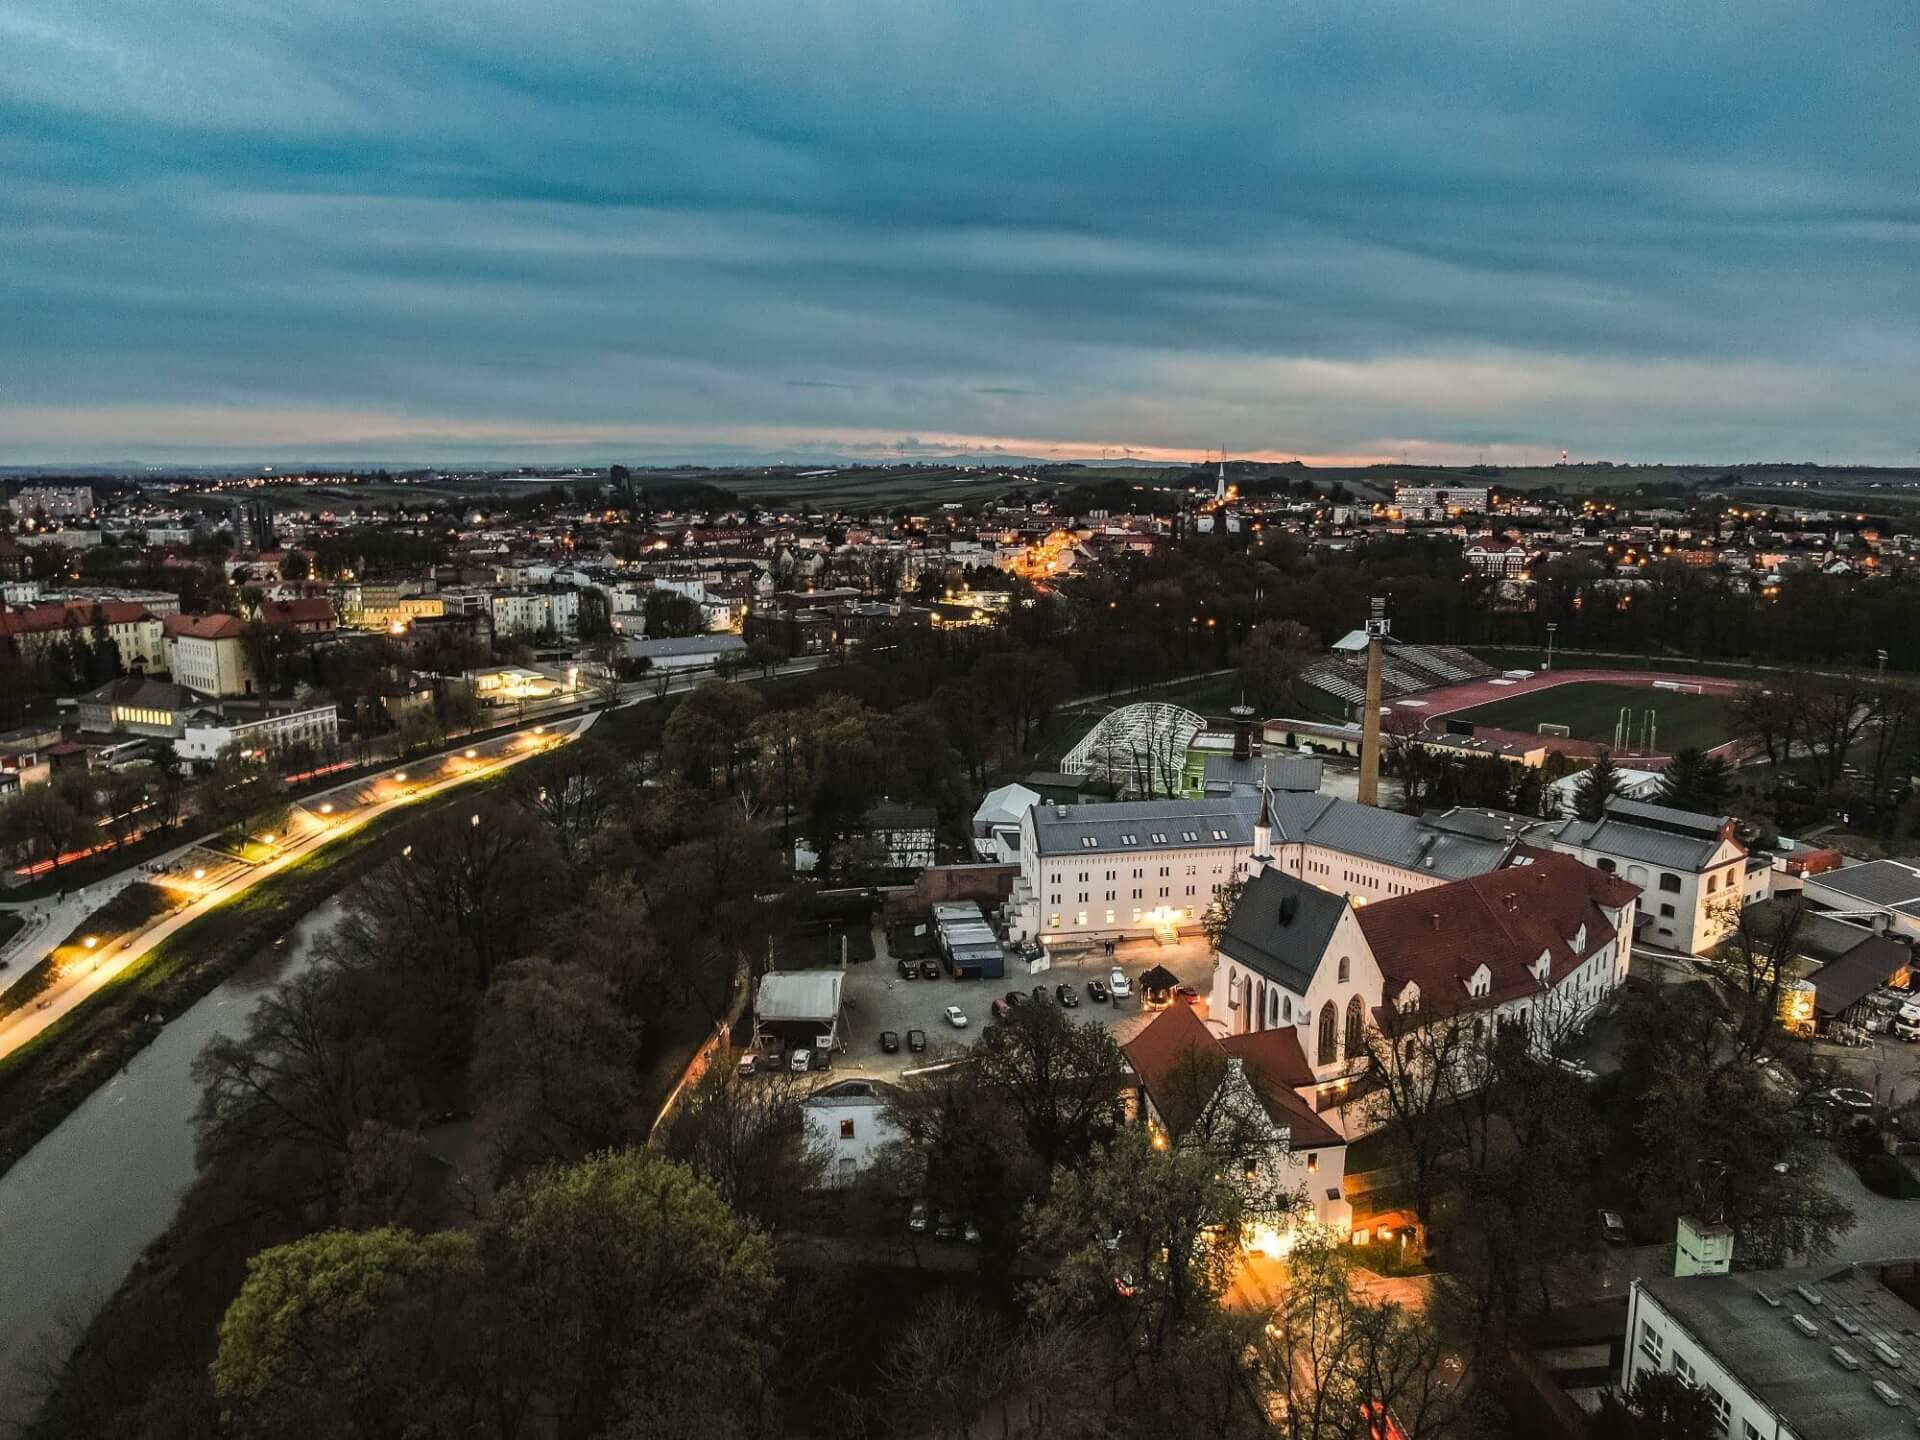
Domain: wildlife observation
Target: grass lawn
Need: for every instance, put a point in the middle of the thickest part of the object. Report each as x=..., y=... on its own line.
x=1589, y=710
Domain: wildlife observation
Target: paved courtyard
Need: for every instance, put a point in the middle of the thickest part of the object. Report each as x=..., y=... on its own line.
x=877, y=999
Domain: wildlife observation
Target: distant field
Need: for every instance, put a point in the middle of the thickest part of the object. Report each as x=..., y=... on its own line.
x=1589, y=710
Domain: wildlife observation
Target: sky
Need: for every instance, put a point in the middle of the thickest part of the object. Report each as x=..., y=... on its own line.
x=650, y=230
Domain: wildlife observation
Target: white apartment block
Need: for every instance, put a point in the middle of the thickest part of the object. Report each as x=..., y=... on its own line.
x=319, y=727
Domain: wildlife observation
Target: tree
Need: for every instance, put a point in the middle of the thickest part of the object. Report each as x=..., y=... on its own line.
x=708, y=731
x=1220, y=910
x=638, y=1301
x=555, y=1063
x=748, y=1139
x=1272, y=660
x=1695, y=780
x=1598, y=784
x=40, y=825
x=1333, y=1356
x=668, y=614
x=573, y=792
x=1057, y=1077
x=1660, y=1406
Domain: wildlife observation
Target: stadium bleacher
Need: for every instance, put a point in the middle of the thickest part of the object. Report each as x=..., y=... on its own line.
x=1406, y=670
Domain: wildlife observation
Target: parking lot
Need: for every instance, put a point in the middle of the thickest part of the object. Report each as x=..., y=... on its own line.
x=876, y=998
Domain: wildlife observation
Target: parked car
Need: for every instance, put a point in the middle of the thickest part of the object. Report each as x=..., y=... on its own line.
x=799, y=1060
x=908, y=970
x=1186, y=995
x=746, y=1066
x=822, y=1059
x=1030, y=950
x=970, y=1233
x=1063, y=992
x=947, y=1227
x=1613, y=1228
x=1015, y=997
x=916, y=1040
x=929, y=969
x=1000, y=1009
x=890, y=1042
x=1040, y=994
x=956, y=1017
x=1906, y=1029
x=1097, y=991
x=917, y=1217
x=1118, y=983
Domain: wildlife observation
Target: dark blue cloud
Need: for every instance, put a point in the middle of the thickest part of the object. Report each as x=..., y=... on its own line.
x=1322, y=228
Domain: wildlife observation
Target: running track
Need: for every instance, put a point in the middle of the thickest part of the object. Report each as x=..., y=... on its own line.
x=1434, y=705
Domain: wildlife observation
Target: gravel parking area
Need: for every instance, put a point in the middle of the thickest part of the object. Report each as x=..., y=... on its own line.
x=877, y=999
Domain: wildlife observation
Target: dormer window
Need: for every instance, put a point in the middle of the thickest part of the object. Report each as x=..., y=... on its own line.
x=1409, y=998
x=1480, y=982
x=1542, y=966
x=1580, y=940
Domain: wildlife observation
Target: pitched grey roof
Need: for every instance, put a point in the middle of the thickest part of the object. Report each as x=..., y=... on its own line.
x=685, y=645
x=1878, y=882
x=1636, y=842
x=1281, y=772
x=1407, y=841
x=1666, y=817
x=1281, y=928
x=1126, y=825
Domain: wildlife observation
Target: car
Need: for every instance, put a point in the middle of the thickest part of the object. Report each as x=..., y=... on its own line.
x=1118, y=983
x=929, y=969
x=746, y=1066
x=1906, y=1029
x=799, y=1060
x=955, y=1017
x=1097, y=991
x=1584, y=1073
x=908, y=970
x=1040, y=994
x=822, y=1059
x=999, y=1009
x=1031, y=950
x=970, y=1233
x=890, y=1042
x=1063, y=992
x=1613, y=1228
x=917, y=1217
x=1015, y=997
x=947, y=1227
x=1846, y=1097
x=916, y=1040
x=1186, y=995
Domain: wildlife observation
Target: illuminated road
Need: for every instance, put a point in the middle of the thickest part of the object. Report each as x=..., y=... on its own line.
x=317, y=820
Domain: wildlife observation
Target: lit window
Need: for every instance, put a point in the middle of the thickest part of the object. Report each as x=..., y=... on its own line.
x=846, y=1129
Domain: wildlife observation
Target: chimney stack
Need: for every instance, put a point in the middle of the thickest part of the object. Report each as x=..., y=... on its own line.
x=1242, y=730
x=1370, y=722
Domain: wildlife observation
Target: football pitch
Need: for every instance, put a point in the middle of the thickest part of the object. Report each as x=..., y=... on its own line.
x=1589, y=710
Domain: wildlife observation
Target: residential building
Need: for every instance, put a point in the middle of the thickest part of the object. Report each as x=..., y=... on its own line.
x=1429, y=502
x=1191, y=1087
x=533, y=612
x=16, y=561
x=313, y=615
x=905, y=832
x=206, y=735
x=847, y=1122
x=1688, y=866
x=133, y=628
x=1502, y=559
x=56, y=502
x=208, y=653
x=135, y=705
x=1803, y=1354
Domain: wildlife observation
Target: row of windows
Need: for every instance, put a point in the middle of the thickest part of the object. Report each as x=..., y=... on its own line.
x=1653, y=1346
x=1080, y=917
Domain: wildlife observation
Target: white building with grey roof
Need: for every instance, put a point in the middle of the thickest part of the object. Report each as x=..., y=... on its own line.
x=1787, y=1354
x=1138, y=867
x=1881, y=893
x=1688, y=866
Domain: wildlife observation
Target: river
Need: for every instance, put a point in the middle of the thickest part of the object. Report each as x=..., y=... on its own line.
x=80, y=1207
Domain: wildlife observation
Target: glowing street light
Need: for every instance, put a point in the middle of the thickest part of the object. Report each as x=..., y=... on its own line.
x=91, y=941
x=327, y=809
x=473, y=754
x=476, y=821
x=200, y=873
x=401, y=778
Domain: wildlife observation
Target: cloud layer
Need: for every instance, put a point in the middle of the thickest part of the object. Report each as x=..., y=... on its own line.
x=483, y=227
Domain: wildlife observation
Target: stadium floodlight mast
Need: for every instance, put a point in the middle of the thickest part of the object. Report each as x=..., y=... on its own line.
x=1881, y=656
x=1552, y=625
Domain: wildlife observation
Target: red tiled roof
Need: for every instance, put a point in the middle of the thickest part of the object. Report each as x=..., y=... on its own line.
x=43, y=618
x=203, y=627
x=1504, y=919
x=297, y=612
x=1180, y=1064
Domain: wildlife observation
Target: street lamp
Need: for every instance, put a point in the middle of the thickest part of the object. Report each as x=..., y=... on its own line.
x=473, y=754
x=1881, y=656
x=1552, y=625
x=91, y=941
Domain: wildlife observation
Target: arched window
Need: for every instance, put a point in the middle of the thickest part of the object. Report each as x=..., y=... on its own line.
x=1329, y=1034
x=1356, y=1027
x=1286, y=1008
x=1273, y=1006
x=1346, y=966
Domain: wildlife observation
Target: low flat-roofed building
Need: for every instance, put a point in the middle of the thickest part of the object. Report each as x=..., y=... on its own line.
x=795, y=1009
x=1883, y=893
x=1804, y=1354
x=135, y=705
x=686, y=652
